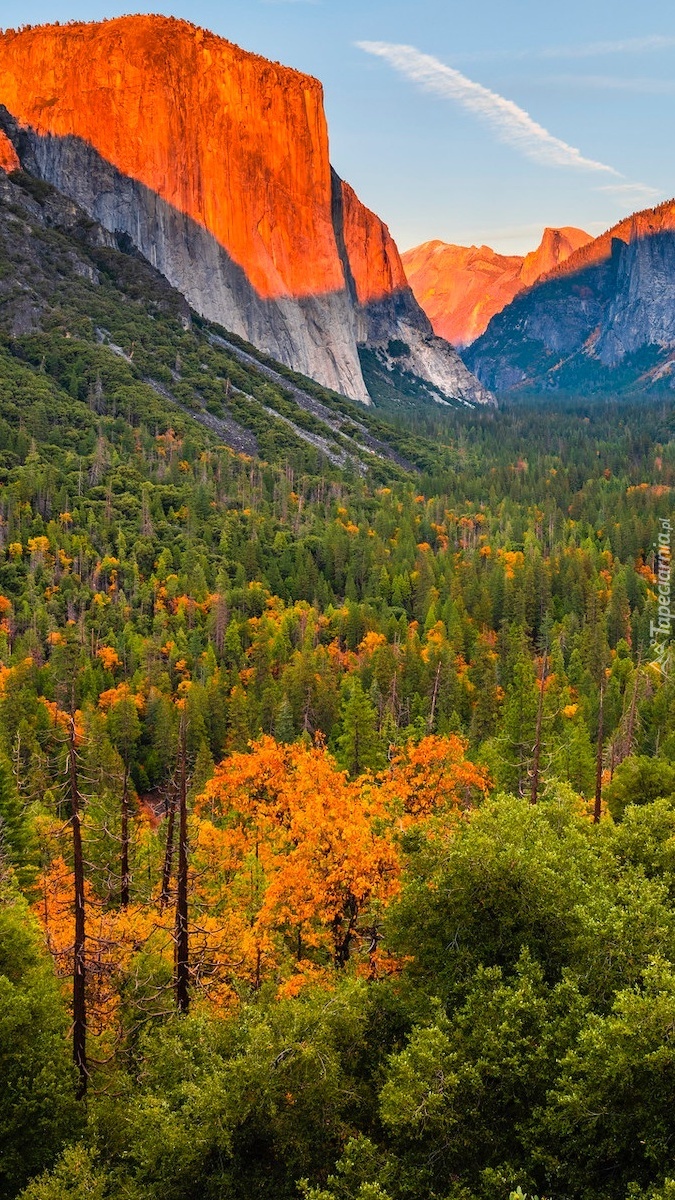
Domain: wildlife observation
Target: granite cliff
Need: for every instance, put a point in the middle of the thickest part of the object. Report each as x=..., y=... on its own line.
x=215, y=163
x=604, y=319
x=461, y=288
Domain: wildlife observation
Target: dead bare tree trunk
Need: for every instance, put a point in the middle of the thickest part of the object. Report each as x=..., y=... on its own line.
x=434, y=698
x=534, y=794
x=79, y=959
x=181, y=933
x=597, y=812
x=124, y=891
x=168, y=853
x=630, y=733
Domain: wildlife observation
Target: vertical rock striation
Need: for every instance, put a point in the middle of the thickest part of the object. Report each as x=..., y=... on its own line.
x=389, y=321
x=213, y=161
x=603, y=319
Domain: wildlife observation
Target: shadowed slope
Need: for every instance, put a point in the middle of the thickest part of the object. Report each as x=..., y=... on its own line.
x=215, y=162
x=604, y=320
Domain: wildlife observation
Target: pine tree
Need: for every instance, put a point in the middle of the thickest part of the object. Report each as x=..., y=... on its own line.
x=232, y=646
x=486, y=695
x=15, y=830
x=203, y=770
x=284, y=726
x=359, y=745
x=79, y=947
x=517, y=735
x=181, y=931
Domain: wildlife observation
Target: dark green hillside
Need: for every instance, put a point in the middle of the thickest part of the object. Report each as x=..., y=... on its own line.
x=371, y=748
x=98, y=324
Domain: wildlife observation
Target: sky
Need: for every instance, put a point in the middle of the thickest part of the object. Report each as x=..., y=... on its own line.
x=477, y=122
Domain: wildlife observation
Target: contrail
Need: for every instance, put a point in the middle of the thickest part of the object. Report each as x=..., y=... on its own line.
x=510, y=123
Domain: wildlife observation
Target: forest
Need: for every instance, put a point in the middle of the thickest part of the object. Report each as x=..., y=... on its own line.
x=337, y=776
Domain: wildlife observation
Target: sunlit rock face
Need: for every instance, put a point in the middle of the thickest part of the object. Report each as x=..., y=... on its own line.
x=557, y=245
x=387, y=314
x=215, y=163
x=603, y=318
x=374, y=261
x=461, y=288
x=9, y=159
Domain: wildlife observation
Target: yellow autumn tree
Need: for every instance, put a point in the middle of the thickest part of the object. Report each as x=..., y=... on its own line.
x=299, y=852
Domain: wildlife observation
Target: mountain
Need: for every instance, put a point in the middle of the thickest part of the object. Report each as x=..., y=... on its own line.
x=556, y=246
x=461, y=288
x=215, y=164
x=603, y=320
x=90, y=333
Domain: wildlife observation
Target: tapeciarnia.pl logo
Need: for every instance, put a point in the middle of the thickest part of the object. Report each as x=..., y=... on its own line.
x=660, y=631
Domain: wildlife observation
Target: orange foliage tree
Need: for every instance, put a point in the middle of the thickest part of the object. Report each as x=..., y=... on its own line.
x=297, y=862
x=432, y=776
x=299, y=849
x=291, y=866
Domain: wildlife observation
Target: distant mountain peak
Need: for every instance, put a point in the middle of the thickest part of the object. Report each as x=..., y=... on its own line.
x=556, y=246
x=462, y=287
x=601, y=320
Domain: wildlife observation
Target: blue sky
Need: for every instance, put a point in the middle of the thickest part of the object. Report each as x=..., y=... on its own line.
x=500, y=117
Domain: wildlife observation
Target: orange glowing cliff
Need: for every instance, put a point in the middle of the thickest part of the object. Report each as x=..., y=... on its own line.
x=9, y=159
x=374, y=259
x=461, y=288
x=215, y=162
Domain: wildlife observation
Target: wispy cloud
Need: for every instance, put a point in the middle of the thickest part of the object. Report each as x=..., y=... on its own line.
x=632, y=194
x=639, y=86
x=509, y=122
x=639, y=45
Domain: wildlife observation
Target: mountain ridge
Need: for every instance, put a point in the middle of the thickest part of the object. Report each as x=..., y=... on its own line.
x=603, y=320
x=462, y=287
x=245, y=228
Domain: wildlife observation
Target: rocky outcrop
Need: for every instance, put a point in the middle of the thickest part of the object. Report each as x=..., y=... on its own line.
x=461, y=288
x=555, y=248
x=9, y=159
x=373, y=262
x=215, y=163
x=389, y=321
x=603, y=319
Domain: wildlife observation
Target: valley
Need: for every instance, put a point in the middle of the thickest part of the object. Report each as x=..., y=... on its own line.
x=337, y=712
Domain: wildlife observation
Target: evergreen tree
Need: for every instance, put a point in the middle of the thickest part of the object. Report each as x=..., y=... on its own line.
x=38, y=1113
x=359, y=745
x=517, y=730
x=203, y=770
x=284, y=725
x=16, y=835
